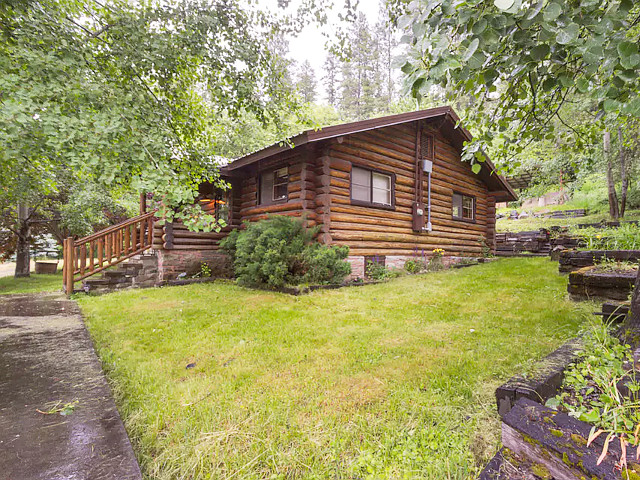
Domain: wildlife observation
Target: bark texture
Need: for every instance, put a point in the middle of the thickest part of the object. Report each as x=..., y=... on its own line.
x=23, y=255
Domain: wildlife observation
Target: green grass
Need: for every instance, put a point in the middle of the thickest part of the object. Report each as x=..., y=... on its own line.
x=393, y=380
x=526, y=224
x=33, y=284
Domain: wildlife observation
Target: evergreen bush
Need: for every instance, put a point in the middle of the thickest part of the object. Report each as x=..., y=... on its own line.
x=281, y=251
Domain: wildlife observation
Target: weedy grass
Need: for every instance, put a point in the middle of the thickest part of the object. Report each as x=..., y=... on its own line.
x=32, y=284
x=393, y=380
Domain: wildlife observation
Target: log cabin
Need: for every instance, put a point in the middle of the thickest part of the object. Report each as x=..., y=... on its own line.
x=389, y=188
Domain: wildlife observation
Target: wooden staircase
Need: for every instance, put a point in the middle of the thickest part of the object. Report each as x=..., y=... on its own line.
x=138, y=271
x=88, y=256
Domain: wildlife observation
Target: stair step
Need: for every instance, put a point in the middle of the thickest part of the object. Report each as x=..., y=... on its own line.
x=558, y=442
x=132, y=266
x=117, y=273
x=106, y=280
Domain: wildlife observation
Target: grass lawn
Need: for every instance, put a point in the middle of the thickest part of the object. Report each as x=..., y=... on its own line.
x=394, y=380
x=33, y=284
x=525, y=224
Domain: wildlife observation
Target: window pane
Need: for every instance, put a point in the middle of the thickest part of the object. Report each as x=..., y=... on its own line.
x=360, y=176
x=382, y=196
x=457, y=205
x=361, y=193
x=266, y=187
x=467, y=208
x=280, y=191
x=381, y=189
x=280, y=176
x=381, y=181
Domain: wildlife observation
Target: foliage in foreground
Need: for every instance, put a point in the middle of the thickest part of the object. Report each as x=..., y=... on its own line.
x=520, y=63
x=281, y=251
x=394, y=380
x=592, y=389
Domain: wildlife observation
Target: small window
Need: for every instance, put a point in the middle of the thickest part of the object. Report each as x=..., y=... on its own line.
x=214, y=201
x=464, y=207
x=222, y=206
x=274, y=186
x=371, y=187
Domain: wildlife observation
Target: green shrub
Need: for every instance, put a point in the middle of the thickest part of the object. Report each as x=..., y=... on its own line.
x=281, y=251
x=325, y=264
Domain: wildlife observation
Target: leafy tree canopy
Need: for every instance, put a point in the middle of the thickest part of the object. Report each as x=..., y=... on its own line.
x=130, y=93
x=518, y=62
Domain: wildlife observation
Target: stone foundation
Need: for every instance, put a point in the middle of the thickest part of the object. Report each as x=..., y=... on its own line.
x=394, y=262
x=172, y=263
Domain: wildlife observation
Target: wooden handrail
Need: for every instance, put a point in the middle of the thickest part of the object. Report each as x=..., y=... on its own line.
x=96, y=252
x=117, y=226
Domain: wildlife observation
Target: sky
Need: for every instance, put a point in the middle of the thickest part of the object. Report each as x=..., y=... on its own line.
x=310, y=44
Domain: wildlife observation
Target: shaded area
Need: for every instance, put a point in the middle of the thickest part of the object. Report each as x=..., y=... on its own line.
x=47, y=362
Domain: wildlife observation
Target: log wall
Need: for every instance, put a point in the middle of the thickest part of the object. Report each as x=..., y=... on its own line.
x=368, y=230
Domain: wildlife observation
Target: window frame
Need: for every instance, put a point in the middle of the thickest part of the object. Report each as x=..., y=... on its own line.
x=461, y=218
x=364, y=203
x=272, y=201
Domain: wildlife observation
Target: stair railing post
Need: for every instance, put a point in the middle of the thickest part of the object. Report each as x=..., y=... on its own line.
x=69, y=264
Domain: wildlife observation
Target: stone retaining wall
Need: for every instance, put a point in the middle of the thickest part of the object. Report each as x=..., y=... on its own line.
x=571, y=260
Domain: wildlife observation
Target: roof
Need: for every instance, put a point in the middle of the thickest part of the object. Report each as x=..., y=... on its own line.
x=452, y=129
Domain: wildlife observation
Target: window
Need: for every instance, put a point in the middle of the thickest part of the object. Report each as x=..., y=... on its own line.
x=274, y=186
x=222, y=206
x=214, y=201
x=371, y=188
x=464, y=207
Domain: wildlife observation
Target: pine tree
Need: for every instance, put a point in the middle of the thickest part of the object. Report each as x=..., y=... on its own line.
x=386, y=44
x=306, y=82
x=358, y=83
x=330, y=78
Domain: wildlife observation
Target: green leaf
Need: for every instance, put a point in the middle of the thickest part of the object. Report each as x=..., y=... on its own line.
x=535, y=10
x=610, y=105
x=591, y=416
x=473, y=46
x=479, y=26
x=540, y=51
x=476, y=167
x=631, y=61
x=552, y=12
x=627, y=49
x=407, y=68
x=568, y=34
x=582, y=84
x=503, y=4
x=549, y=84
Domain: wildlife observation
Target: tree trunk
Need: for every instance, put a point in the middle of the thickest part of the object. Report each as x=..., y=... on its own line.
x=623, y=173
x=614, y=213
x=23, y=255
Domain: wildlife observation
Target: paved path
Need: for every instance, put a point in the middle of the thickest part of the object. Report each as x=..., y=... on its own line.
x=47, y=361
